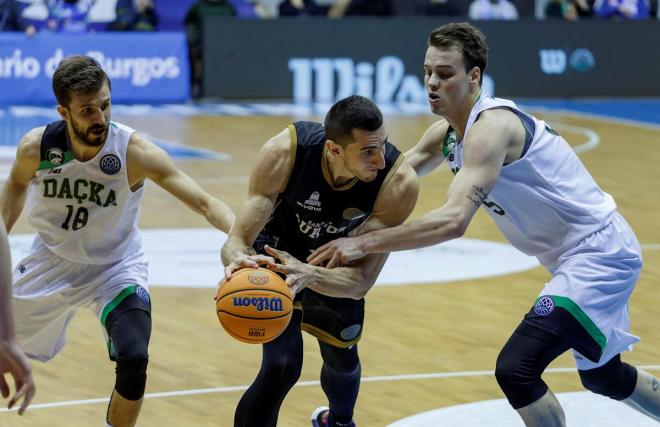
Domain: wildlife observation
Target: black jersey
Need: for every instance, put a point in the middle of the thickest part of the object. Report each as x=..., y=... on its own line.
x=310, y=212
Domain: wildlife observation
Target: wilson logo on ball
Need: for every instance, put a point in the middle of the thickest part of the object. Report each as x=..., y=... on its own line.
x=258, y=278
x=261, y=304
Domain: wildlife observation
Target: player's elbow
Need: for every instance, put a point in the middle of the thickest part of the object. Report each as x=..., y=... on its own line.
x=457, y=227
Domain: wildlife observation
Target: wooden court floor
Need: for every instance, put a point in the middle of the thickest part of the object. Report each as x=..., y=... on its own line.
x=414, y=329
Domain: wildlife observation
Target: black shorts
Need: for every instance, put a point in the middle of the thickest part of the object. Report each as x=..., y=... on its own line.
x=563, y=324
x=335, y=321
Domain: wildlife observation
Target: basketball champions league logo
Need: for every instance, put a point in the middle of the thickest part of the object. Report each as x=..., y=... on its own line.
x=544, y=306
x=110, y=164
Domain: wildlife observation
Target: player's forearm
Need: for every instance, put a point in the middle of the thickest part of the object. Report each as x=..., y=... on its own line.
x=342, y=282
x=219, y=215
x=433, y=228
x=12, y=200
x=6, y=317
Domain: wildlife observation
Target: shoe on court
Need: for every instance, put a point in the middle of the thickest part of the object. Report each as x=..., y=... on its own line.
x=320, y=417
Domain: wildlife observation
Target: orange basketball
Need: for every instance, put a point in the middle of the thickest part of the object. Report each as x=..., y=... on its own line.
x=254, y=305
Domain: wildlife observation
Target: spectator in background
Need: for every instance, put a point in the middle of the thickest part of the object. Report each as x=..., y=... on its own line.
x=492, y=10
x=135, y=15
x=438, y=7
x=569, y=10
x=194, y=21
x=68, y=16
x=302, y=8
x=622, y=9
x=561, y=9
x=6, y=21
x=56, y=15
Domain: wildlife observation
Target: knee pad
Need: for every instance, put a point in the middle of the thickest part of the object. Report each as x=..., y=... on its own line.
x=131, y=377
x=130, y=334
x=522, y=361
x=615, y=379
x=522, y=385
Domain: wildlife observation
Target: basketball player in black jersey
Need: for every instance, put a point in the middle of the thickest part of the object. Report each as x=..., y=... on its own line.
x=313, y=183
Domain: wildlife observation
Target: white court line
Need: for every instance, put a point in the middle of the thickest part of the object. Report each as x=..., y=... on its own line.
x=651, y=246
x=231, y=389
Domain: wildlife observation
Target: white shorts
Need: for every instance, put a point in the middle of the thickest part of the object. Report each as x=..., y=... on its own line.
x=49, y=289
x=594, y=281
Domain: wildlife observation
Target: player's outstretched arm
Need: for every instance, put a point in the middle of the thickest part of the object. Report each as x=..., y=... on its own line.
x=484, y=153
x=12, y=198
x=427, y=155
x=12, y=359
x=392, y=208
x=269, y=177
x=146, y=160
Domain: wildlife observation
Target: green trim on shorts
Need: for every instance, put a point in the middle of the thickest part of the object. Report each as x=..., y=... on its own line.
x=579, y=315
x=116, y=301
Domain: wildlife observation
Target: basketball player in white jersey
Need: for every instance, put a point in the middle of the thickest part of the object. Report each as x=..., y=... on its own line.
x=12, y=359
x=547, y=205
x=83, y=178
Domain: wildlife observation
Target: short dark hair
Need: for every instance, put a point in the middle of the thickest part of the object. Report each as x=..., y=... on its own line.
x=354, y=112
x=467, y=39
x=77, y=74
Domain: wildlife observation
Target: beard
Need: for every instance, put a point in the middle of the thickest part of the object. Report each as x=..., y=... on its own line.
x=93, y=136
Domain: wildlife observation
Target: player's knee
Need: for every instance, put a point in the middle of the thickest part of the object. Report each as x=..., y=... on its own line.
x=341, y=360
x=285, y=369
x=615, y=379
x=521, y=385
x=131, y=372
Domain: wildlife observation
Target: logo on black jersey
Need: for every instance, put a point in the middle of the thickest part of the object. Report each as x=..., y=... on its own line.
x=55, y=156
x=312, y=203
x=544, y=306
x=351, y=214
x=110, y=164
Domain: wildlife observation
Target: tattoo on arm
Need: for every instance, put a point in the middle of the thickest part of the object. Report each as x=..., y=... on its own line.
x=477, y=196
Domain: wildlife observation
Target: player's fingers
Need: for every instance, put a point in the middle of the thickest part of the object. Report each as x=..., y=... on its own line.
x=317, y=255
x=335, y=261
x=4, y=387
x=281, y=255
x=27, y=393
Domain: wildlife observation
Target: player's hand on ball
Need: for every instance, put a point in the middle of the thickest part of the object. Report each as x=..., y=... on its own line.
x=249, y=261
x=297, y=273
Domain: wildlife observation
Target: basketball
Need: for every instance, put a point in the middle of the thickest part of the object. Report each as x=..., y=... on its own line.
x=254, y=305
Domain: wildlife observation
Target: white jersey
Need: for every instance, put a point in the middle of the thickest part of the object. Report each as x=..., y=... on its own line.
x=85, y=211
x=546, y=201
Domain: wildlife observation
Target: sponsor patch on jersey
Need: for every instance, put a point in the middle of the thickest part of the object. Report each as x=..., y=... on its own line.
x=351, y=214
x=351, y=332
x=142, y=294
x=110, y=164
x=258, y=278
x=544, y=306
x=55, y=156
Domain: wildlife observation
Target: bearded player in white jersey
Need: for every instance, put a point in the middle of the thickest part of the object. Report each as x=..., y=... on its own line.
x=83, y=178
x=547, y=205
